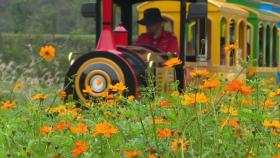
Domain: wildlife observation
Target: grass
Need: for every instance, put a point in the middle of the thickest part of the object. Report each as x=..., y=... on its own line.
x=202, y=122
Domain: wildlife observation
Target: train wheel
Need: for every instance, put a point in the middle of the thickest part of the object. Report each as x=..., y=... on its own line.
x=97, y=71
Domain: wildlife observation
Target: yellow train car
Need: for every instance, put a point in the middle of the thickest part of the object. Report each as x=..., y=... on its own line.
x=227, y=24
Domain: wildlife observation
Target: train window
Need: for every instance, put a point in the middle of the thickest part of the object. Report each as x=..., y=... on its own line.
x=261, y=46
x=223, y=29
x=232, y=41
x=191, y=41
x=116, y=15
x=249, y=41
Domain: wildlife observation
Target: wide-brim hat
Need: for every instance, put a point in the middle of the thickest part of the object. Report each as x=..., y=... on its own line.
x=151, y=16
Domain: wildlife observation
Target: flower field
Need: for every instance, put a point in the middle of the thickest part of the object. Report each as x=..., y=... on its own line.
x=212, y=118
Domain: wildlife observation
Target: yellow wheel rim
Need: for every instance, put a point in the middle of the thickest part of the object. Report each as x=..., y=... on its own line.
x=93, y=73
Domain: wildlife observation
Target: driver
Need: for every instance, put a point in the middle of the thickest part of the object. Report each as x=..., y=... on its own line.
x=156, y=36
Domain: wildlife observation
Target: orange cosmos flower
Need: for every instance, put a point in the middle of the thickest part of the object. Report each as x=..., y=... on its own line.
x=267, y=124
x=230, y=47
x=87, y=90
x=234, y=85
x=40, y=97
x=234, y=46
x=18, y=85
x=276, y=156
x=118, y=87
x=163, y=103
x=210, y=84
x=152, y=156
x=199, y=73
x=272, y=124
x=232, y=122
x=61, y=126
x=47, y=52
x=246, y=90
x=132, y=154
x=80, y=148
x=269, y=104
x=105, y=94
x=45, y=130
x=177, y=145
x=80, y=129
x=192, y=98
x=251, y=72
x=172, y=62
x=164, y=133
x=61, y=94
x=276, y=132
x=275, y=124
x=8, y=104
x=105, y=128
x=237, y=85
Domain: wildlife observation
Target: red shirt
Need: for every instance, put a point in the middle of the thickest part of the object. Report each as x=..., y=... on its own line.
x=165, y=42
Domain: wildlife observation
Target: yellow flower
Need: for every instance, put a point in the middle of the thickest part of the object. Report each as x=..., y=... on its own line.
x=272, y=94
x=61, y=94
x=47, y=52
x=246, y=102
x=270, y=104
x=89, y=104
x=18, y=85
x=172, y=62
x=39, y=96
x=178, y=144
x=194, y=98
x=230, y=110
x=277, y=91
x=199, y=73
x=175, y=94
x=61, y=110
x=118, y=87
x=130, y=98
x=8, y=104
x=157, y=121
